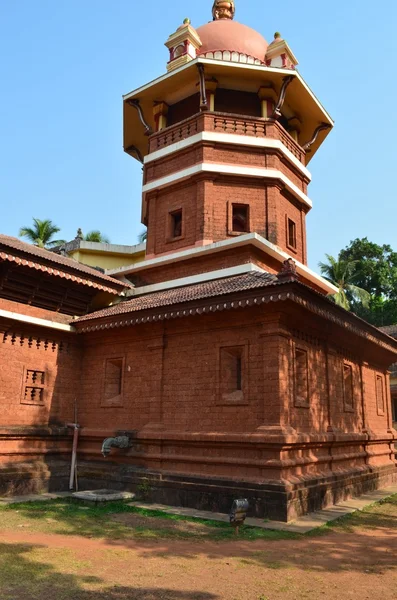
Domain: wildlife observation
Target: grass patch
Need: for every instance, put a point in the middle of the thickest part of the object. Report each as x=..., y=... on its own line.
x=115, y=520
x=382, y=514
x=69, y=517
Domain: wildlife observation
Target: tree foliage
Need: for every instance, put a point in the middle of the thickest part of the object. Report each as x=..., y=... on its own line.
x=376, y=267
x=96, y=236
x=341, y=273
x=375, y=271
x=41, y=234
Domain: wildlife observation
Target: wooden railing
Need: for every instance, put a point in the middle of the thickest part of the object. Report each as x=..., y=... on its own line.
x=226, y=123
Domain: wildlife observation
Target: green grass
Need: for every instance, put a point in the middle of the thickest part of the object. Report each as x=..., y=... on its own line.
x=70, y=517
x=379, y=514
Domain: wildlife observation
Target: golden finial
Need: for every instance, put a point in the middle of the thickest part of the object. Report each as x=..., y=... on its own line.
x=222, y=9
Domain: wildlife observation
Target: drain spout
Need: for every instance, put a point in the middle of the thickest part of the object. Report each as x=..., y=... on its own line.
x=121, y=441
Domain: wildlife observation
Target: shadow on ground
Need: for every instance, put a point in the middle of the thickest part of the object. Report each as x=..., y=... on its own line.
x=365, y=542
x=23, y=577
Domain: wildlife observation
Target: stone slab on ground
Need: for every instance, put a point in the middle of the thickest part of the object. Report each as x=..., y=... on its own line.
x=45, y=497
x=302, y=525
x=104, y=495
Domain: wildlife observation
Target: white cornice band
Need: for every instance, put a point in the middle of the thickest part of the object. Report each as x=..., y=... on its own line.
x=7, y=314
x=230, y=138
x=226, y=169
x=242, y=240
x=194, y=279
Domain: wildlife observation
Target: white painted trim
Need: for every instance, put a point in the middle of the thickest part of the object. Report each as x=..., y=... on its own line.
x=242, y=240
x=35, y=321
x=229, y=138
x=229, y=170
x=193, y=279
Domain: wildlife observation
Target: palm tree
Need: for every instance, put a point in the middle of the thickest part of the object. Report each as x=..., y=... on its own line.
x=96, y=236
x=41, y=234
x=142, y=237
x=341, y=273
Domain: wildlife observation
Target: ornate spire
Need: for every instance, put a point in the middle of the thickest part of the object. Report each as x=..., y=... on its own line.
x=222, y=9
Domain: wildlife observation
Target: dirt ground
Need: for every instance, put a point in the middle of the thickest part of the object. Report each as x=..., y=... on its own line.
x=356, y=560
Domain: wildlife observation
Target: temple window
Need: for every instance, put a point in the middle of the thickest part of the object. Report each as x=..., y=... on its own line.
x=301, y=378
x=348, y=386
x=113, y=386
x=291, y=233
x=175, y=224
x=34, y=387
x=240, y=218
x=232, y=376
x=380, y=398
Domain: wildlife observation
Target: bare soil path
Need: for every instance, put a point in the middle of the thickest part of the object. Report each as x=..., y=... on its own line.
x=355, y=560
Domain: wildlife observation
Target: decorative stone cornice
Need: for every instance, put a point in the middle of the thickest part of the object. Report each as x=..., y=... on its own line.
x=294, y=292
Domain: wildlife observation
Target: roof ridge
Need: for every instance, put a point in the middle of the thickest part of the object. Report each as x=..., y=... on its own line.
x=43, y=254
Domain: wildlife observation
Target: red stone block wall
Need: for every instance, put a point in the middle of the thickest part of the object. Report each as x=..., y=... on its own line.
x=33, y=311
x=55, y=354
x=220, y=153
x=182, y=196
x=376, y=418
x=171, y=376
x=206, y=203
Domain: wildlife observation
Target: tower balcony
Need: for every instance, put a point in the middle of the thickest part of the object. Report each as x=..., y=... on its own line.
x=226, y=123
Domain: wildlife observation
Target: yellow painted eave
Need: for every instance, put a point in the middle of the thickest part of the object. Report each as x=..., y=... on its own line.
x=182, y=82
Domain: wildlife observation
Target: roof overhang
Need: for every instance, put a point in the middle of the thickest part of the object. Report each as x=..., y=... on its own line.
x=250, y=238
x=183, y=82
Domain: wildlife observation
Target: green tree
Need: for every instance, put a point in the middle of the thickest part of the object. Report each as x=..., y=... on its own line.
x=376, y=272
x=41, y=234
x=376, y=266
x=341, y=273
x=96, y=236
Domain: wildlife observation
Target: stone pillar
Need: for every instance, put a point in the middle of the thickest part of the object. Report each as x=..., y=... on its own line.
x=268, y=98
x=388, y=403
x=331, y=359
x=211, y=86
x=157, y=346
x=294, y=128
x=160, y=112
x=277, y=379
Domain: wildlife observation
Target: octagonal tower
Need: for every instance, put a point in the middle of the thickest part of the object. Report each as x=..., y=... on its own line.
x=225, y=138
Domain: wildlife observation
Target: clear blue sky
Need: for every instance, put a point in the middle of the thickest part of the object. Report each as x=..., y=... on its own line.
x=66, y=63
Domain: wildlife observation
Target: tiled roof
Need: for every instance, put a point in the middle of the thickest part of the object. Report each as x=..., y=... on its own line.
x=199, y=291
x=12, y=248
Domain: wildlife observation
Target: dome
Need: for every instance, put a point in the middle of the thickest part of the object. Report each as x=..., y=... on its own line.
x=225, y=35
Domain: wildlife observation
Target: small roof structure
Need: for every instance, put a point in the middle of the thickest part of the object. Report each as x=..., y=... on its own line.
x=14, y=250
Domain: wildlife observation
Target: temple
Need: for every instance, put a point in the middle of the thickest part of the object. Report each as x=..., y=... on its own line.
x=216, y=366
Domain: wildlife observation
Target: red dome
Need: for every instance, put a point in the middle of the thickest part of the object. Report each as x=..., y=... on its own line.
x=225, y=34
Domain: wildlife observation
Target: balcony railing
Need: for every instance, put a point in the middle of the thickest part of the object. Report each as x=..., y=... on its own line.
x=226, y=123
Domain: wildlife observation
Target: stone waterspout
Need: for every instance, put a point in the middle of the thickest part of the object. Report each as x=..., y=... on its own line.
x=121, y=441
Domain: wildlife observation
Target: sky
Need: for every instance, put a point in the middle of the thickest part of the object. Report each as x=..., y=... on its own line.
x=66, y=63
